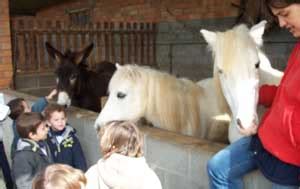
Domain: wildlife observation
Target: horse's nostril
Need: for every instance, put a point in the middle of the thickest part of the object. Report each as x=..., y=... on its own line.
x=238, y=121
x=65, y=106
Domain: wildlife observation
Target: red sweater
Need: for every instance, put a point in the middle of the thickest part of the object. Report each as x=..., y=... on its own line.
x=279, y=129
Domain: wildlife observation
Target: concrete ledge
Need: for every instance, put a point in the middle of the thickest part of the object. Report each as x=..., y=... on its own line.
x=179, y=161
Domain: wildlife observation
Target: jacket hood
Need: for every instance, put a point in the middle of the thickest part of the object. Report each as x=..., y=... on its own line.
x=26, y=144
x=123, y=172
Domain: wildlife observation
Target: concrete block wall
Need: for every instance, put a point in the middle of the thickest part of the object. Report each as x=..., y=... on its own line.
x=179, y=161
x=182, y=50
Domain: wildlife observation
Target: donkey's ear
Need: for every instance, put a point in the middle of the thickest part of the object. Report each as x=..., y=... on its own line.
x=257, y=32
x=83, y=54
x=209, y=36
x=53, y=53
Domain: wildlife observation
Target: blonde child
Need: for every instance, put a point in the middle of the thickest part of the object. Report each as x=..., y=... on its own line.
x=123, y=165
x=59, y=176
x=64, y=144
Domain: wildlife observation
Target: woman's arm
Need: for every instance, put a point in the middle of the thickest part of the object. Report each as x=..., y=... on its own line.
x=267, y=94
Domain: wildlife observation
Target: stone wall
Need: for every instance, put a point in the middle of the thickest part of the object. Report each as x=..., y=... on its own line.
x=179, y=161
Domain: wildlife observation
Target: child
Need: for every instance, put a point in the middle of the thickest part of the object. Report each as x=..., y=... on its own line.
x=64, y=145
x=18, y=106
x=32, y=154
x=59, y=176
x=123, y=165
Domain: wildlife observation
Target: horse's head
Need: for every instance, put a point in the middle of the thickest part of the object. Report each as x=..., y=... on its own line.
x=69, y=65
x=127, y=94
x=236, y=57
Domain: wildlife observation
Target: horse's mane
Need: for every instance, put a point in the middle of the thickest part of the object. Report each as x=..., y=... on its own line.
x=232, y=44
x=170, y=102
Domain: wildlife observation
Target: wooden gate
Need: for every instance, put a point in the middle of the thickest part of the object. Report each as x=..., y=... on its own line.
x=124, y=43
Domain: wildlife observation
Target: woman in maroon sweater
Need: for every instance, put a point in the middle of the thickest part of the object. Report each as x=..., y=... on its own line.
x=273, y=147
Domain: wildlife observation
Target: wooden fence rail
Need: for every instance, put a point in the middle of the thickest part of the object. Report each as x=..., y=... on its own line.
x=116, y=42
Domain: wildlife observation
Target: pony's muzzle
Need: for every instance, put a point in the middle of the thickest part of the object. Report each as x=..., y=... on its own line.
x=240, y=124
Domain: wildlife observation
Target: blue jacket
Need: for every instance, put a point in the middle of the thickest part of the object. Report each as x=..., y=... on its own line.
x=38, y=106
x=68, y=150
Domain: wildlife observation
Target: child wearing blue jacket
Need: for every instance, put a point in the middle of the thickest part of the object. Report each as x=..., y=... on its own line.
x=64, y=145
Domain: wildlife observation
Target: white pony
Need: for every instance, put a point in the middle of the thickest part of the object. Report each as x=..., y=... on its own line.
x=238, y=64
x=182, y=106
x=167, y=102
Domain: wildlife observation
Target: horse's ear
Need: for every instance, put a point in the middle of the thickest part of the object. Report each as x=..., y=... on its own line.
x=83, y=54
x=209, y=36
x=257, y=32
x=53, y=53
x=118, y=66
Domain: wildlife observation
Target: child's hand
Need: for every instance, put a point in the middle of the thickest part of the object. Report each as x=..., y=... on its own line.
x=51, y=94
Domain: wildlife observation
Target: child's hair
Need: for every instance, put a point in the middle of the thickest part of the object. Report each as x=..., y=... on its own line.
x=121, y=137
x=16, y=108
x=59, y=176
x=28, y=122
x=53, y=108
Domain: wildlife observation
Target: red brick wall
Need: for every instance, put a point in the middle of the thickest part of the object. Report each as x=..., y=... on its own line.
x=145, y=10
x=5, y=46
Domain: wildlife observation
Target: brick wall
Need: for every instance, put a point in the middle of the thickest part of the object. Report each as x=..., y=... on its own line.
x=5, y=46
x=144, y=10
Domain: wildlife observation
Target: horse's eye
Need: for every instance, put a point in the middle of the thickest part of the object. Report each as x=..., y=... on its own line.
x=121, y=95
x=257, y=65
x=220, y=71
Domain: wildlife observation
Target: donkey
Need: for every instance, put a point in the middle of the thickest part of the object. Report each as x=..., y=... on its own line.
x=76, y=84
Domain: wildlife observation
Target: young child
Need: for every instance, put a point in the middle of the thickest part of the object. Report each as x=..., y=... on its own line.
x=64, y=145
x=123, y=165
x=32, y=154
x=59, y=176
x=18, y=106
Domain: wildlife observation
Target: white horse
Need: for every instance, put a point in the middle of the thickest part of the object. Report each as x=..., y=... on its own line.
x=182, y=106
x=167, y=102
x=239, y=65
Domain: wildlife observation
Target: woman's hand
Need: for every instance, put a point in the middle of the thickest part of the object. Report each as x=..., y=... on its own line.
x=248, y=131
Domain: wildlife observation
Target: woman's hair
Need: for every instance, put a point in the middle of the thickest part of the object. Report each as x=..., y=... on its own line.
x=59, y=176
x=53, y=108
x=122, y=137
x=280, y=3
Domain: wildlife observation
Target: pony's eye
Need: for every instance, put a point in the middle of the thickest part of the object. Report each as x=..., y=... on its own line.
x=257, y=65
x=121, y=95
x=220, y=71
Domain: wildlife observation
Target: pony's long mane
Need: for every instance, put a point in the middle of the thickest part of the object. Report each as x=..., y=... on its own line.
x=169, y=101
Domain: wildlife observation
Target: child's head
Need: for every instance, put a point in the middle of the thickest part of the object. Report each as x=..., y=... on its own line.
x=17, y=107
x=59, y=176
x=122, y=137
x=56, y=116
x=31, y=125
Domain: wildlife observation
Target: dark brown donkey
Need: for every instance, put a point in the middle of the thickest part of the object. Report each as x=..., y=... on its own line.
x=76, y=84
